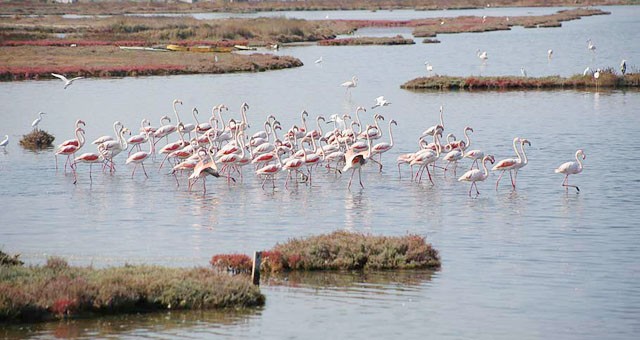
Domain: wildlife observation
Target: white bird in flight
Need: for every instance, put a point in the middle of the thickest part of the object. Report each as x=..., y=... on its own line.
x=380, y=101
x=67, y=82
x=5, y=142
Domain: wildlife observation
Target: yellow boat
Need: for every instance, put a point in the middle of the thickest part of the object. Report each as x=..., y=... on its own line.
x=203, y=48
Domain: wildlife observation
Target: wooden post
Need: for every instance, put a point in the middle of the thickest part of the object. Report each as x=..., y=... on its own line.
x=255, y=271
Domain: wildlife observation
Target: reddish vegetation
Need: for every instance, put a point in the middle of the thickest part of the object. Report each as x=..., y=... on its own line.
x=234, y=263
x=608, y=79
x=341, y=250
x=397, y=40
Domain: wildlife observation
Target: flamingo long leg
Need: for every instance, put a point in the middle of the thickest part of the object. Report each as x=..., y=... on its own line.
x=145, y=171
x=360, y=177
x=499, y=177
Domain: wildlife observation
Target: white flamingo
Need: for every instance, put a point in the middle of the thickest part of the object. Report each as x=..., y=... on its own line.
x=476, y=175
x=512, y=164
x=571, y=168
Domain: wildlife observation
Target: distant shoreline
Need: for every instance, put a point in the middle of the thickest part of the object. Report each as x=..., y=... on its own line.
x=109, y=7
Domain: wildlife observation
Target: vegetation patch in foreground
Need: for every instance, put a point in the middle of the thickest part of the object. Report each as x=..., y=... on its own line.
x=37, y=140
x=56, y=290
x=339, y=250
x=606, y=80
x=397, y=40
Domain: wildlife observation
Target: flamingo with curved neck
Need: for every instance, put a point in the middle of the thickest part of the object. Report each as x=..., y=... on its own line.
x=383, y=147
x=476, y=175
x=512, y=164
x=571, y=168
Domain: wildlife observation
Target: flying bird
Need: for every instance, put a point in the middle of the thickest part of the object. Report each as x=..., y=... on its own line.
x=380, y=101
x=67, y=82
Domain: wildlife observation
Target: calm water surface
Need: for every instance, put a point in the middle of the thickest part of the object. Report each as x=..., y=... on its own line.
x=538, y=262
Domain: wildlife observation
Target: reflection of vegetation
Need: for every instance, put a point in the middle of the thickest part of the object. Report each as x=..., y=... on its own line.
x=131, y=324
x=607, y=79
x=57, y=290
x=349, y=278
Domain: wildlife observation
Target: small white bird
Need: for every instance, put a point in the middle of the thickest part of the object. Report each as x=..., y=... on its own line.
x=523, y=72
x=484, y=18
x=5, y=142
x=596, y=74
x=549, y=53
x=623, y=67
x=37, y=120
x=351, y=83
x=482, y=55
x=591, y=46
x=67, y=82
x=215, y=58
x=319, y=61
x=429, y=66
x=380, y=101
x=586, y=71
x=571, y=168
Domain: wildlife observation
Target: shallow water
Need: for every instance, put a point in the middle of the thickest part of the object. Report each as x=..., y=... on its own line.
x=537, y=262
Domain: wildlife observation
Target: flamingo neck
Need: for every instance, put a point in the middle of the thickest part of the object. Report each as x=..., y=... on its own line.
x=468, y=140
x=524, y=154
x=579, y=160
x=484, y=166
x=515, y=148
x=390, y=136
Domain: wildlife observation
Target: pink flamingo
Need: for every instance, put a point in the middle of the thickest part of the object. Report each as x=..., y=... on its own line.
x=354, y=160
x=571, y=168
x=139, y=158
x=70, y=147
x=475, y=175
x=383, y=147
x=270, y=171
x=89, y=157
x=513, y=164
x=202, y=169
x=74, y=141
x=425, y=157
x=432, y=130
x=106, y=138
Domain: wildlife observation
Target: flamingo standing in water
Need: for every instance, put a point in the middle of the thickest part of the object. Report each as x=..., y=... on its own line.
x=383, y=147
x=512, y=164
x=350, y=84
x=70, y=149
x=476, y=175
x=139, y=158
x=354, y=161
x=89, y=157
x=202, y=169
x=432, y=130
x=571, y=168
x=74, y=141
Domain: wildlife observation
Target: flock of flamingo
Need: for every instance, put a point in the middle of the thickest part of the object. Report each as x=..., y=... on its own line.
x=222, y=148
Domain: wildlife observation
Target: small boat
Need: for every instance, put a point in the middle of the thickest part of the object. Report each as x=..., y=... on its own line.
x=142, y=48
x=244, y=48
x=201, y=48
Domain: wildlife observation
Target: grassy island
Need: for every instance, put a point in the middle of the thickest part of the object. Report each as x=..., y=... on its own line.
x=606, y=80
x=339, y=250
x=57, y=290
x=397, y=40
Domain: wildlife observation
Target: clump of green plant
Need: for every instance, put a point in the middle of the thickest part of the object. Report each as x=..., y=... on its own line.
x=349, y=251
x=10, y=260
x=57, y=290
x=37, y=139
